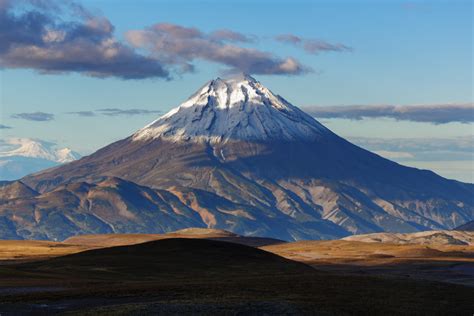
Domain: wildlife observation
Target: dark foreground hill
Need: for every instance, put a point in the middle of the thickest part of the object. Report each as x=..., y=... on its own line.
x=166, y=259
x=201, y=277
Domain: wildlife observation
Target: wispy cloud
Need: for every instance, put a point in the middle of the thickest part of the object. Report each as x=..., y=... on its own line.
x=312, y=46
x=434, y=113
x=126, y=112
x=83, y=113
x=428, y=149
x=450, y=157
x=231, y=36
x=63, y=36
x=5, y=126
x=34, y=116
x=114, y=112
x=182, y=46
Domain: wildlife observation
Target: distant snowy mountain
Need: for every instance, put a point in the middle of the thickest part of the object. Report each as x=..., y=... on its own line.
x=22, y=156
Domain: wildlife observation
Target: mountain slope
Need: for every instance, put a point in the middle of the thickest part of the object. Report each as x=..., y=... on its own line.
x=114, y=205
x=469, y=226
x=237, y=140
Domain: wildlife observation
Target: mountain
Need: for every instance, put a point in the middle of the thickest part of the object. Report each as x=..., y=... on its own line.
x=278, y=171
x=469, y=226
x=114, y=205
x=22, y=156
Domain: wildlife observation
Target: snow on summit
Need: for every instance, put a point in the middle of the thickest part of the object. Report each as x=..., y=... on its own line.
x=238, y=108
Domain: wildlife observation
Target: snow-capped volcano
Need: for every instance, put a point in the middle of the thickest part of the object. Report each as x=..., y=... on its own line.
x=238, y=157
x=239, y=108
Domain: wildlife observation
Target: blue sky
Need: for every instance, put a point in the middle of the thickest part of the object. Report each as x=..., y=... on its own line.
x=402, y=53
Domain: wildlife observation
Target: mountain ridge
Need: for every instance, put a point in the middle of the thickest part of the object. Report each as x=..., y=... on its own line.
x=114, y=205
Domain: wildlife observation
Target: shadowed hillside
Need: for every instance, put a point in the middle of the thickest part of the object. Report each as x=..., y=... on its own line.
x=174, y=257
x=469, y=226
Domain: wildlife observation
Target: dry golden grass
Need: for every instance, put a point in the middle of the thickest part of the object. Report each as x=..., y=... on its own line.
x=366, y=253
x=26, y=250
x=312, y=252
x=111, y=240
x=445, y=263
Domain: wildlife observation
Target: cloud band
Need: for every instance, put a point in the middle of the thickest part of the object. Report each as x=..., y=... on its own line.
x=435, y=113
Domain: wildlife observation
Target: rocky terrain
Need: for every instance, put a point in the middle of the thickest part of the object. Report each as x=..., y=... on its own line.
x=114, y=205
